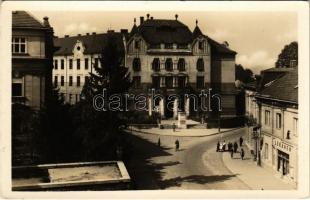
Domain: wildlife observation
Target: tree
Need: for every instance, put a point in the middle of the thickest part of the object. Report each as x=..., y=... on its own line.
x=243, y=75
x=288, y=56
x=98, y=131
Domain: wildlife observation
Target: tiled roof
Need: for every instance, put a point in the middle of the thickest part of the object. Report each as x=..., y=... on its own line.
x=22, y=19
x=284, y=88
x=93, y=43
x=156, y=31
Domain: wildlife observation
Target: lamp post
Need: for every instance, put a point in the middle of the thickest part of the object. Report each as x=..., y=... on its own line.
x=257, y=138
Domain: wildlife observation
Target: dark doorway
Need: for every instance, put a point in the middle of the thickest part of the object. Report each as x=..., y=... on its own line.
x=169, y=108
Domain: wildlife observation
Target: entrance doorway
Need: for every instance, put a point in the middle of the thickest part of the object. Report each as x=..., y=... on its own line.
x=283, y=163
x=169, y=104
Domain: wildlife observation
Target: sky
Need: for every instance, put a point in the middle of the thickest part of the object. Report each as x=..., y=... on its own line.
x=257, y=37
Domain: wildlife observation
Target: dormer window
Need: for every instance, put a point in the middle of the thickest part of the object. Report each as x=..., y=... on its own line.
x=19, y=45
x=78, y=48
x=182, y=46
x=136, y=64
x=200, y=44
x=168, y=46
x=155, y=46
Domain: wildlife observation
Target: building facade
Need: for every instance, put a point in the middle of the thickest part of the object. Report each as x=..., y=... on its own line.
x=75, y=59
x=274, y=134
x=32, y=56
x=166, y=56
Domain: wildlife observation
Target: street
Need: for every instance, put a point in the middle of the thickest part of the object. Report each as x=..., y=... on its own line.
x=196, y=165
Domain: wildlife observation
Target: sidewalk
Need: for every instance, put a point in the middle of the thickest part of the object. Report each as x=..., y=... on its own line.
x=254, y=176
x=180, y=132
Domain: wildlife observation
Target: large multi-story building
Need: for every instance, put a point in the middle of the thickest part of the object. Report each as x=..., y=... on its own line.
x=273, y=109
x=76, y=57
x=164, y=54
x=160, y=54
x=32, y=60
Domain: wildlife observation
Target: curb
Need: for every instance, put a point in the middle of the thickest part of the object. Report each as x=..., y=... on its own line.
x=144, y=132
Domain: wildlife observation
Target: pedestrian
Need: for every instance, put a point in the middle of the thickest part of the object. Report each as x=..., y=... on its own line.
x=158, y=142
x=229, y=146
x=241, y=141
x=218, y=146
x=177, y=145
x=235, y=147
x=242, y=153
x=231, y=153
x=173, y=127
x=224, y=146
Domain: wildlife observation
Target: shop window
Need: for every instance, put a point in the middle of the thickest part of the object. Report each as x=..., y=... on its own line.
x=181, y=64
x=200, y=65
x=156, y=65
x=136, y=64
x=283, y=163
x=168, y=64
x=19, y=45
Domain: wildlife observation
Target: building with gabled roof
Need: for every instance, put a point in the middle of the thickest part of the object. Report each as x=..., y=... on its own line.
x=164, y=54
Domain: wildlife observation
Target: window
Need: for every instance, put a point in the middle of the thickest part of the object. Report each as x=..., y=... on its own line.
x=96, y=62
x=200, y=45
x=78, y=64
x=70, y=80
x=156, y=82
x=200, y=65
x=17, y=89
x=86, y=63
x=137, y=44
x=136, y=64
x=78, y=81
x=62, y=80
x=278, y=121
x=267, y=117
x=155, y=46
x=295, y=126
x=136, y=81
x=55, y=64
x=181, y=81
x=266, y=151
x=62, y=63
x=156, y=65
x=168, y=46
x=19, y=45
x=182, y=46
x=200, y=82
x=168, y=64
x=56, y=81
x=70, y=64
x=181, y=64
x=169, y=81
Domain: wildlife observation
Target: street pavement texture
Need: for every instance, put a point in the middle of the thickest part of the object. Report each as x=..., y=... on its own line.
x=196, y=165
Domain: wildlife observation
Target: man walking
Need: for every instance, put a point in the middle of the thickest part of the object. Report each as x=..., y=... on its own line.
x=218, y=146
x=235, y=147
x=242, y=153
x=241, y=141
x=177, y=145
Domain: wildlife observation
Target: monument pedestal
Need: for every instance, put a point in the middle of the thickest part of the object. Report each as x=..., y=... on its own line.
x=182, y=120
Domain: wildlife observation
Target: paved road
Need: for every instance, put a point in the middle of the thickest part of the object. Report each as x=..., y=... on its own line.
x=196, y=166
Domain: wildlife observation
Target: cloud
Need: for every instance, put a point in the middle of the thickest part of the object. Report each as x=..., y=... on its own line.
x=220, y=35
x=76, y=28
x=256, y=61
x=289, y=36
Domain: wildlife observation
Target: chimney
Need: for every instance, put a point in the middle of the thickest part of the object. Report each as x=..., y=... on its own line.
x=79, y=34
x=110, y=31
x=45, y=22
x=147, y=15
x=225, y=43
x=176, y=16
x=152, y=18
x=66, y=36
x=87, y=33
x=124, y=31
x=94, y=33
x=141, y=20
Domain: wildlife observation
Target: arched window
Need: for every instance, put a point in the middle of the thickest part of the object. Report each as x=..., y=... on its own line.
x=136, y=64
x=169, y=64
x=200, y=65
x=181, y=64
x=156, y=65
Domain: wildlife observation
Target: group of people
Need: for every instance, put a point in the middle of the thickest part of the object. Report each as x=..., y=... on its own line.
x=231, y=147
